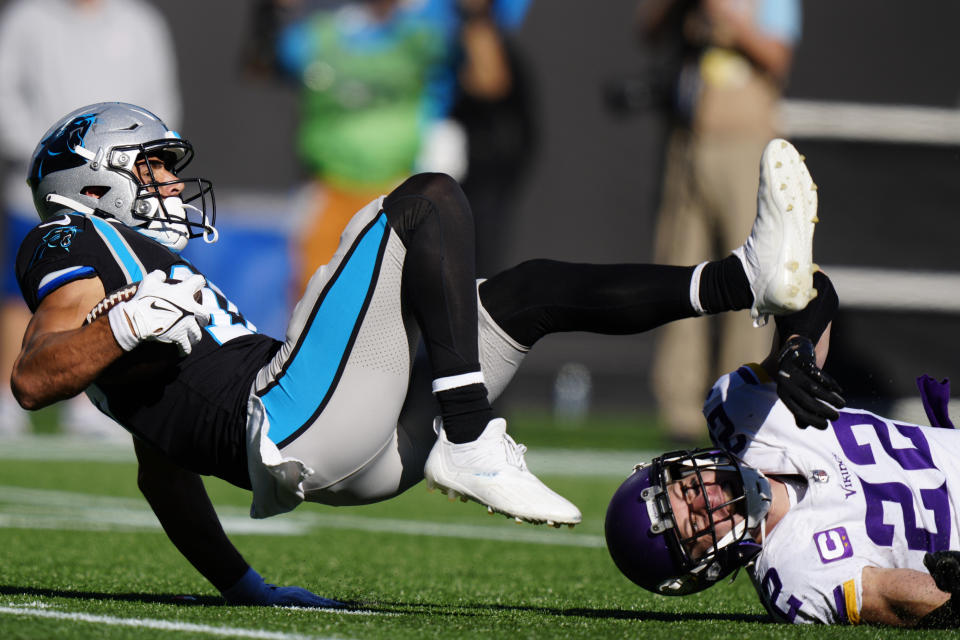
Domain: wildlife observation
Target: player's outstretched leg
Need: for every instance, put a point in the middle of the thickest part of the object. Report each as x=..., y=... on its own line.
x=778, y=255
x=473, y=457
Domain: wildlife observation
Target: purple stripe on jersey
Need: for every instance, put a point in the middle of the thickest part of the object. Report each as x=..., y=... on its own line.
x=747, y=375
x=841, y=604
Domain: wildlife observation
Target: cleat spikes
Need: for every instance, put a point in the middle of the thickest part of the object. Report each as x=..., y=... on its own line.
x=463, y=498
x=813, y=187
x=777, y=254
x=489, y=511
x=814, y=267
x=812, y=294
x=517, y=520
x=571, y=526
x=803, y=158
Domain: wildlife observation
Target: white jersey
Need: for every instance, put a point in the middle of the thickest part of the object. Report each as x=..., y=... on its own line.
x=877, y=493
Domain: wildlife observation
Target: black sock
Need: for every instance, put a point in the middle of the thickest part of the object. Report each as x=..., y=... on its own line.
x=540, y=297
x=466, y=412
x=813, y=319
x=724, y=286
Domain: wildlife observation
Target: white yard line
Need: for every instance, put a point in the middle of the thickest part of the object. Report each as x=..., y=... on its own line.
x=162, y=625
x=545, y=461
x=26, y=508
x=22, y=508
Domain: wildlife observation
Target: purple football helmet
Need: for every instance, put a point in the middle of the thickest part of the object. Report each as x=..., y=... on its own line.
x=640, y=526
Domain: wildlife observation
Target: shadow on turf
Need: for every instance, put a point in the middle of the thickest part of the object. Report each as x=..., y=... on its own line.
x=148, y=598
x=612, y=614
x=399, y=608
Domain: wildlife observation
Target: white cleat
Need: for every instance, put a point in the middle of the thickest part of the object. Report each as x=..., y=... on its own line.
x=778, y=255
x=491, y=470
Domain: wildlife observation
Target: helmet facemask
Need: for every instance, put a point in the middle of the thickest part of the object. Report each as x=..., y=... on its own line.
x=171, y=220
x=745, y=503
x=641, y=527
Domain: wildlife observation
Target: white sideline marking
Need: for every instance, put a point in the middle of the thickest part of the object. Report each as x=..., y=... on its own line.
x=543, y=461
x=22, y=508
x=162, y=625
x=59, y=447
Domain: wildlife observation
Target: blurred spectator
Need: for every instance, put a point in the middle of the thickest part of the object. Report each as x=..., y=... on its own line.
x=377, y=81
x=494, y=107
x=55, y=56
x=736, y=56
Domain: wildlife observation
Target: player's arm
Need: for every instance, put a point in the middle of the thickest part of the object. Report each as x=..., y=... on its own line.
x=63, y=354
x=769, y=53
x=60, y=357
x=798, y=355
x=898, y=597
x=180, y=502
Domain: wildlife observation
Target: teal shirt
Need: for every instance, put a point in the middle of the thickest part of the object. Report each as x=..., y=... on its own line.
x=364, y=92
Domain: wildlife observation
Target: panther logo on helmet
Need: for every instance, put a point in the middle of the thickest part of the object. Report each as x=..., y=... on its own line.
x=56, y=151
x=90, y=163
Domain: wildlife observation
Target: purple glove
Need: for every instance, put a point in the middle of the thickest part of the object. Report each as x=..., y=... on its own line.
x=252, y=590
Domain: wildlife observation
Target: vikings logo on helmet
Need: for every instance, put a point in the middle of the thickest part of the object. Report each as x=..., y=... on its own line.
x=56, y=153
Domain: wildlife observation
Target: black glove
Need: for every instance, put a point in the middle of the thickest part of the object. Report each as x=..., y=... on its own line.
x=806, y=390
x=944, y=567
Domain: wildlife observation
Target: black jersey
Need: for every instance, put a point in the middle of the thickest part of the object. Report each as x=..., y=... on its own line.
x=192, y=408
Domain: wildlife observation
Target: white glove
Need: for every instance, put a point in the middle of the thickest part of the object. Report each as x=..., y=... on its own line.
x=161, y=311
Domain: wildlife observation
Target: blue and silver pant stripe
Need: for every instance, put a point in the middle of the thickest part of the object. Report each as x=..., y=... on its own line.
x=310, y=375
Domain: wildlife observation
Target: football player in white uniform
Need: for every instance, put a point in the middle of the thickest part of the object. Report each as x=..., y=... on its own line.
x=841, y=524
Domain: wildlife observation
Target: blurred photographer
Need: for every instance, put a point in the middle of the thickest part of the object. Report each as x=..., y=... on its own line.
x=733, y=58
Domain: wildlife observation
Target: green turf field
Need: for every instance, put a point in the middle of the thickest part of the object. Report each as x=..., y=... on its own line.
x=83, y=557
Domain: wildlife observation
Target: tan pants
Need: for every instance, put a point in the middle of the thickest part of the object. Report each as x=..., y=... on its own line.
x=709, y=203
x=331, y=208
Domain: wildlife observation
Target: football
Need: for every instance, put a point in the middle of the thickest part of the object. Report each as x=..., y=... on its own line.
x=123, y=294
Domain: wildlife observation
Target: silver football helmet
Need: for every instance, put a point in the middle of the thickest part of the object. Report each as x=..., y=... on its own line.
x=87, y=161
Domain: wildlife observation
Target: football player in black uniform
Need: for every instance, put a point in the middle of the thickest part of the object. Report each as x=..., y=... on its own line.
x=336, y=413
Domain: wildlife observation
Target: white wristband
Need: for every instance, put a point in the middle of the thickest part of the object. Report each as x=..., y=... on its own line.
x=120, y=325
